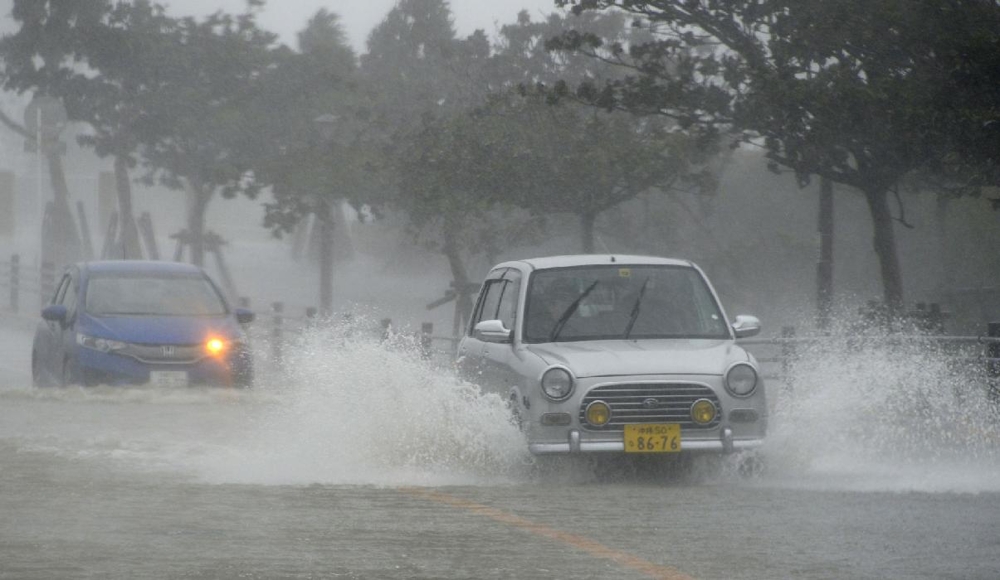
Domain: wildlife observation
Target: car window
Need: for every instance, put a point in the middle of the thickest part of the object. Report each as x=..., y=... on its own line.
x=153, y=295
x=58, y=295
x=491, y=300
x=608, y=302
x=507, y=309
x=69, y=295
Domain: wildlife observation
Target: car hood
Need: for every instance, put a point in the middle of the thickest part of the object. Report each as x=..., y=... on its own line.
x=642, y=357
x=159, y=329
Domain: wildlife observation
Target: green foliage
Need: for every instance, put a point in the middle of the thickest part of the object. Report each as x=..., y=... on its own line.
x=211, y=70
x=860, y=92
x=293, y=157
x=101, y=59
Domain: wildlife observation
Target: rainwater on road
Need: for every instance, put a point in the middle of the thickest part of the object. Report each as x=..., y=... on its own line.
x=361, y=461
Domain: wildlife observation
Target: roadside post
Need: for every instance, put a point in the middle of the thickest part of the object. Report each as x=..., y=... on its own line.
x=15, y=282
x=276, y=331
x=993, y=362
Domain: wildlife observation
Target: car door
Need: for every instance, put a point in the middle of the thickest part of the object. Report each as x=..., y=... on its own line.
x=492, y=360
x=499, y=361
x=471, y=347
x=69, y=298
x=48, y=335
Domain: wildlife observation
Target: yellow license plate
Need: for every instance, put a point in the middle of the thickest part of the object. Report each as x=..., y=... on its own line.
x=653, y=438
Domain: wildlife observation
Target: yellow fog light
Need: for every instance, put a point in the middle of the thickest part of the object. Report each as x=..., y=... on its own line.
x=703, y=411
x=598, y=413
x=215, y=346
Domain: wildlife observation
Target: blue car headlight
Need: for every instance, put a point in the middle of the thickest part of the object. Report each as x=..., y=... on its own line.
x=101, y=344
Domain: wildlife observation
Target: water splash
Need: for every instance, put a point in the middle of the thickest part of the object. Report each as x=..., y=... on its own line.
x=359, y=409
x=877, y=411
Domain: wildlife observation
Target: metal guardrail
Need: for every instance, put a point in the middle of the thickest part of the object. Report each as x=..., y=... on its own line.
x=978, y=352
x=281, y=323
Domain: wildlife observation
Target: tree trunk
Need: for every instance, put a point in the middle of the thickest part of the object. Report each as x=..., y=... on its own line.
x=587, y=231
x=63, y=234
x=885, y=249
x=196, y=219
x=824, y=269
x=324, y=220
x=459, y=275
x=128, y=233
x=947, y=265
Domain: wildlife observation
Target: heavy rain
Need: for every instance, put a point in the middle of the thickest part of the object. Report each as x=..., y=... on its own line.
x=348, y=174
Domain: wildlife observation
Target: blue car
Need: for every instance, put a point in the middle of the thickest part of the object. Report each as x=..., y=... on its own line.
x=134, y=322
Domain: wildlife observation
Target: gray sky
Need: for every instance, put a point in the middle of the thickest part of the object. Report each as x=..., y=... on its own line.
x=286, y=17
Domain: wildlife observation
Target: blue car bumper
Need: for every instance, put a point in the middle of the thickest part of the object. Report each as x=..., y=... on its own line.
x=95, y=367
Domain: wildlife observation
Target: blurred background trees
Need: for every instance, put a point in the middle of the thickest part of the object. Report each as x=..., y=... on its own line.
x=610, y=127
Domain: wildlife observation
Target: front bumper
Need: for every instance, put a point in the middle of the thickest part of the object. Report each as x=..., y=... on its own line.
x=100, y=368
x=574, y=444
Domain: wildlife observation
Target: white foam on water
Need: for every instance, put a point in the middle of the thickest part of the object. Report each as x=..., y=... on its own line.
x=884, y=413
x=876, y=415
x=356, y=409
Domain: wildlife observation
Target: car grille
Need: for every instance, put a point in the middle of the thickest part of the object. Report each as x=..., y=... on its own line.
x=650, y=403
x=168, y=354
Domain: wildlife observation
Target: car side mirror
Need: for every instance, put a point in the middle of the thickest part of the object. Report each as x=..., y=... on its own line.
x=54, y=313
x=244, y=316
x=493, y=331
x=746, y=326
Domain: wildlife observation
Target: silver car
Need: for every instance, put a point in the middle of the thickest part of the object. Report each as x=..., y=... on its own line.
x=617, y=354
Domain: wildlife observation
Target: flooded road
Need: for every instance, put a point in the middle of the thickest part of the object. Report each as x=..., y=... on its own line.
x=363, y=462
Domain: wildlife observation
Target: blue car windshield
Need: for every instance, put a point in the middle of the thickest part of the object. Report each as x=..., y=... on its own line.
x=144, y=294
x=621, y=302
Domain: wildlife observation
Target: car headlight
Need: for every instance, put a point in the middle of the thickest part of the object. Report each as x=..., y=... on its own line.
x=741, y=380
x=101, y=344
x=557, y=383
x=216, y=346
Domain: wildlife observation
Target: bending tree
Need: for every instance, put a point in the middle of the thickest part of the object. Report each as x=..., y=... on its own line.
x=854, y=91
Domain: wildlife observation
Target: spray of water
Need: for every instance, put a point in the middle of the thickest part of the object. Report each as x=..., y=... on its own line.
x=866, y=410
x=870, y=409
x=357, y=408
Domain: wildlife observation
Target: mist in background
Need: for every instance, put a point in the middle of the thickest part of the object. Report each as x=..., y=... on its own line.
x=756, y=235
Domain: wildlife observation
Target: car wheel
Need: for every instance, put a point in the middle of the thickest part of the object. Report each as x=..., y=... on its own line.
x=243, y=378
x=751, y=464
x=515, y=413
x=36, y=371
x=65, y=379
x=243, y=370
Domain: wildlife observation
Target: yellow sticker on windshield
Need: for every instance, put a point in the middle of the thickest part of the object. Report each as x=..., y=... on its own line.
x=624, y=272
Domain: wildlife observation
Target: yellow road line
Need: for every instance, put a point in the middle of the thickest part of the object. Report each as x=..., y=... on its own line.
x=593, y=548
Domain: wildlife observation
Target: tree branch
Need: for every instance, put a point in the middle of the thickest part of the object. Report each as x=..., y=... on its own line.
x=14, y=126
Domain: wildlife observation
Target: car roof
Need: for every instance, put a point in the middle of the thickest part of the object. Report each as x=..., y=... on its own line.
x=138, y=266
x=546, y=262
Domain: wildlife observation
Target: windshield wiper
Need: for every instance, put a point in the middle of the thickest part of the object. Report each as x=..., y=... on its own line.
x=568, y=313
x=635, y=309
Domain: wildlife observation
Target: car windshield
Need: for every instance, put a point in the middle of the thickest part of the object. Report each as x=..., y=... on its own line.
x=147, y=294
x=620, y=302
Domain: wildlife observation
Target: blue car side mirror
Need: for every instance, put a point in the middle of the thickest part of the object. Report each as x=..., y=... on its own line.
x=244, y=316
x=54, y=313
